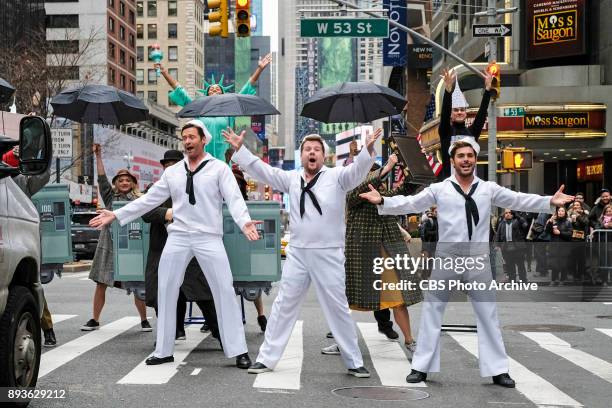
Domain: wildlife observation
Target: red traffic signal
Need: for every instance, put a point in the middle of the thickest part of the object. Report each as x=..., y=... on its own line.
x=243, y=18
x=495, y=71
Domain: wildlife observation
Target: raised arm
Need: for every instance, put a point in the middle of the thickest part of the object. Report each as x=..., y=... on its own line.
x=253, y=165
x=481, y=116
x=157, y=194
x=352, y=175
x=400, y=205
x=263, y=63
x=505, y=198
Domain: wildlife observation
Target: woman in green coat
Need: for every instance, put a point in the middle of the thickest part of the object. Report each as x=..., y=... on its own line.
x=369, y=236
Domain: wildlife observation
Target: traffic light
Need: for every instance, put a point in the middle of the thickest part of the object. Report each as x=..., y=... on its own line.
x=217, y=13
x=517, y=159
x=243, y=18
x=495, y=71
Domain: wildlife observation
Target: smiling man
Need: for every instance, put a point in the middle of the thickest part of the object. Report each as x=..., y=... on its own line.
x=198, y=185
x=317, y=200
x=464, y=208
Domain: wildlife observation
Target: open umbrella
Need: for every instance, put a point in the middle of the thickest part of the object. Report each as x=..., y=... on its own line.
x=100, y=104
x=360, y=102
x=6, y=91
x=230, y=104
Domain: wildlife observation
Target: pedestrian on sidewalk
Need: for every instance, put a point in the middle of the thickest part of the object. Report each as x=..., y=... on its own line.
x=580, y=232
x=198, y=186
x=510, y=234
x=560, y=229
x=317, y=197
x=464, y=204
x=123, y=187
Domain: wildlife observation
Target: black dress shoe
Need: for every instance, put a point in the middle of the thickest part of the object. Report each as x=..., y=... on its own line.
x=243, y=361
x=263, y=322
x=389, y=332
x=416, y=377
x=504, y=380
x=159, y=360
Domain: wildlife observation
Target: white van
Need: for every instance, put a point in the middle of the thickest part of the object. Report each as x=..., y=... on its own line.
x=21, y=298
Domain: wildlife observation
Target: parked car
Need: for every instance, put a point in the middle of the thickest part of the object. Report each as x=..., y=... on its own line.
x=21, y=294
x=84, y=237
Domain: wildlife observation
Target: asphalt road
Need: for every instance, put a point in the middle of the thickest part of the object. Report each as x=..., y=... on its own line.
x=105, y=368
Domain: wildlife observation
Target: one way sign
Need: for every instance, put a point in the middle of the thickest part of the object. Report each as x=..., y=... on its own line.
x=492, y=30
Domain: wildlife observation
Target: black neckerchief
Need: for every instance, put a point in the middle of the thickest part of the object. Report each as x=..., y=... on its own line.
x=471, y=210
x=306, y=190
x=190, y=174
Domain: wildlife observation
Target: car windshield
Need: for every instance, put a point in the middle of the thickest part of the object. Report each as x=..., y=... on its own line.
x=82, y=218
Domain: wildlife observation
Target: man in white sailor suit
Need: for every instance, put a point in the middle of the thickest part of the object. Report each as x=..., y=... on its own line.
x=198, y=186
x=316, y=253
x=464, y=204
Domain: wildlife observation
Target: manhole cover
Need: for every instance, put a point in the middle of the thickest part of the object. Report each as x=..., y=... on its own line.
x=381, y=393
x=604, y=317
x=544, y=328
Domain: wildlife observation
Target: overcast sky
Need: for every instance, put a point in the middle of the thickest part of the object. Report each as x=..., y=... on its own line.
x=270, y=22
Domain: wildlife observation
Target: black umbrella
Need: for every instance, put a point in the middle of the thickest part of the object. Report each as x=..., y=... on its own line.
x=6, y=91
x=360, y=102
x=100, y=104
x=230, y=104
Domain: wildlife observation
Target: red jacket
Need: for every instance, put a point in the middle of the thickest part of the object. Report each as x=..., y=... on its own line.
x=10, y=159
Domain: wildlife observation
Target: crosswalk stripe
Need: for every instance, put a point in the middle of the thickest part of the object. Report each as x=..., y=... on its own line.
x=161, y=374
x=535, y=388
x=74, y=275
x=388, y=358
x=286, y=374
x=57, y=318
x=607, y=332
x=196, y=371
x=554, y=344
x=63, y=354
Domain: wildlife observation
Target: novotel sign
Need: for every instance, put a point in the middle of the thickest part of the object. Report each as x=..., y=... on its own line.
x=395, y=47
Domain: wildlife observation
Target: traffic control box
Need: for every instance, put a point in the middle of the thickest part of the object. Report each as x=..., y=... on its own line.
x=130, y=248
x=254, y=261
x=53, y=205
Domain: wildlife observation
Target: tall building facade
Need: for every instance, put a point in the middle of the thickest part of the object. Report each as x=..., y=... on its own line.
x=19, y=19
x=178, y=28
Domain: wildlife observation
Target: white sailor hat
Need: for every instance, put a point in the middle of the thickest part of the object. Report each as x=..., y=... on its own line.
x=466, y=139
x=201, y=125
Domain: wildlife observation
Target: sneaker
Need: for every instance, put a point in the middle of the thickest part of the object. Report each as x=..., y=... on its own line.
x=331, y=350
x=50, y=340
x=205, y=328
x=411, y=348
x=263, y=322
x=258, y=368
x=90, y=325
x=389, y=332
x=180, y=335
x=145, y=326
x=360, y=372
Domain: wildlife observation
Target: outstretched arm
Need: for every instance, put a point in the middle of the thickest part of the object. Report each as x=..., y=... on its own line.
x=400, y=205
x=263, y=63
x=506, y=198
x=353, y=174
x=171, y=81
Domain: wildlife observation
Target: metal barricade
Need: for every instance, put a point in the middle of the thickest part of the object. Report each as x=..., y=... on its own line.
x=600, y=254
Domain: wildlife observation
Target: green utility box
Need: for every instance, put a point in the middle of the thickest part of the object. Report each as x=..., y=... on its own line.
x=255, y=264
x=53, y=205
x=130, y=248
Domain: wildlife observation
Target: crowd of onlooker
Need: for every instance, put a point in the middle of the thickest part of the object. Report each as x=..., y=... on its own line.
x=571, y=241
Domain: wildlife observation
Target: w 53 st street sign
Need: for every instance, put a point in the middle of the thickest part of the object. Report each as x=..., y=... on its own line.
x=344, y=27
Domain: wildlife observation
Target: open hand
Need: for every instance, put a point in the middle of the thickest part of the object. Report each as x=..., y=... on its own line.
x=250, y=230
x=106, y=217
x=488, y=80
x=372, y=196
x=233, y=139
x=449, y=77
x=372, y=139
x=265, y=61
x=560, y=198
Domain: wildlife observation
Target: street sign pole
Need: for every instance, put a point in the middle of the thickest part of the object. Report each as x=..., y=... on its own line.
x=492, y=128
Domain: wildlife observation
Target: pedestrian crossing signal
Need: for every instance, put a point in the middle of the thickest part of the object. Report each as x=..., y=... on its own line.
x=517, y=159
x=495, y=71
x=243, y=18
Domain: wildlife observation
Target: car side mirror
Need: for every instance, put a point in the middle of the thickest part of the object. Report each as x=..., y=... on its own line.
x=35, y=146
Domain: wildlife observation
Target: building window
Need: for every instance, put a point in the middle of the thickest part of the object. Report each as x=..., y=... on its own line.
x=63, y=47
x=111, y=25
x=139, y=31
x=152, y=76
x=132, y=40
x=140, y=76
x=111, y=3
x=139, y=9
x=62, y=21
x=122, y=9
x=122, y=57
x=132, y=63
x=68, y=73
x=140, y=54
x=122, y=81
x=111, y=75
x=152, y=31
x=152, y=96
x=132, y=86
x=132, y=17
x=172, y=8
x=152, y=8
x=173, y=53
x=111, y=50
x=122, y=32
x=172, y=30
x=140, y=95
x=173, y=72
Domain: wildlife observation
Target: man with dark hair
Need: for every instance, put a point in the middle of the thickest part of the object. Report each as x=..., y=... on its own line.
x=198, y=186
x=597, y=210
x=464, y=206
